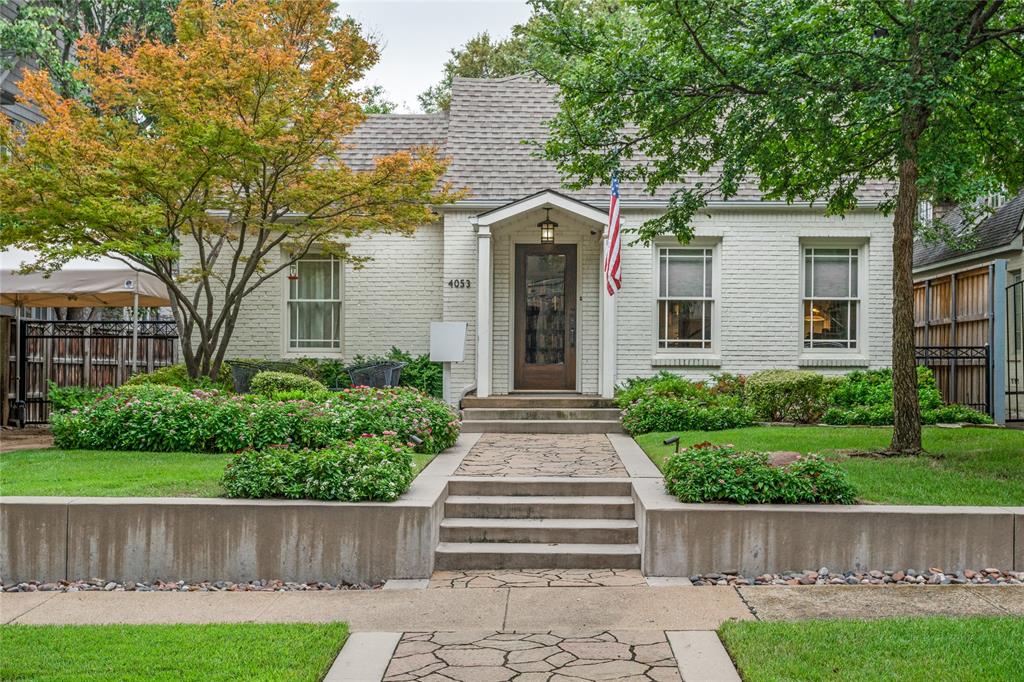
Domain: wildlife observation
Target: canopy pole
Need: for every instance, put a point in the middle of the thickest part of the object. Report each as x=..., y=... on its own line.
x=135, y=329
x=18, y=350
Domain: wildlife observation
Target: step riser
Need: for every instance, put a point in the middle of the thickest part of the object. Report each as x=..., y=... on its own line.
x=570, y=402
x=596, y=536
x=509, y=486
x=455, y=561
x=471, y=510
x=541, y=426
x=478, y=414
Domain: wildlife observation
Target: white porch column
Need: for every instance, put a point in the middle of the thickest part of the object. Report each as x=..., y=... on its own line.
x=607, y=331
x=484, y=302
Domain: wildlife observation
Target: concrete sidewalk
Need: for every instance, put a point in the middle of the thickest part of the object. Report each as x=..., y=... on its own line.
x=522, y=609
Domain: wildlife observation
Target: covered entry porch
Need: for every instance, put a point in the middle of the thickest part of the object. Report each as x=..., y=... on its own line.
x=544, y=321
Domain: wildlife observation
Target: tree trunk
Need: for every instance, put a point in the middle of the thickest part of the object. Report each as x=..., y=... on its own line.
x=906, y=434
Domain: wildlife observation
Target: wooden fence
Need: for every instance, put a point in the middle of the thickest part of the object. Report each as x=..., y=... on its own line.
x=81, y=353
x=955, y=312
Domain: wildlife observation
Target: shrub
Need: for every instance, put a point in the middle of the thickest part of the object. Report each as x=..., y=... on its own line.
x=668, y=402
x=786, y=395
x=268, y=383
x=866, y=398
x=165, y=418
x=367, y=468
x=712, y=473
x=177, y=375
x=662, y=413
x=64, y=398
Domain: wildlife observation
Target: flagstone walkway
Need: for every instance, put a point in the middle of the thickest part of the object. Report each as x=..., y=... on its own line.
x=638, y=656
x=614, y=577
x=524, y=454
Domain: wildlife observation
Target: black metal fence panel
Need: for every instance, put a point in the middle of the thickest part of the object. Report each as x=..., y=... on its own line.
x=82, y=353
x=963, y=373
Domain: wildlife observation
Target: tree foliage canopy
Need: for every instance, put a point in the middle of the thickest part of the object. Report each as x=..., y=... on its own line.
x=45, y=33
x=224, y=147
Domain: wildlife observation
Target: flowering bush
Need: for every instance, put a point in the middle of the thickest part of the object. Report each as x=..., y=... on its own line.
x=165, y=418
x=667, y=402
x=367, y=468
x=714, y=473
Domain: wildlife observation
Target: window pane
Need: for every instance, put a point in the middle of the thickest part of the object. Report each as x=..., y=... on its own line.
x=853, y=277
x=831, y=276
x=830, y=324
x=684, y=324
x=683, y=274
x=314, y=280
x=315, y=324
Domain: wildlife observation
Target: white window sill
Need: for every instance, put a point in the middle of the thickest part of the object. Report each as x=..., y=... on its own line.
x=834, y=361
x=316, y=353
x=686, y=361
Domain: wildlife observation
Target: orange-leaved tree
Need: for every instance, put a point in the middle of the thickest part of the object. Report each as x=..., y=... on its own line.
x=215, y=162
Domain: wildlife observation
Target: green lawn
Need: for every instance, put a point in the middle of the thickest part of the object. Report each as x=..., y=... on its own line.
x=169, y=652
x=903, y=650
x=103, y=473
x=969, y=466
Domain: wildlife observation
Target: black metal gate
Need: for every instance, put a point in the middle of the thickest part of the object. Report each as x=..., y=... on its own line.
x=82, y=353
x=1015, y=352
x=963, y=374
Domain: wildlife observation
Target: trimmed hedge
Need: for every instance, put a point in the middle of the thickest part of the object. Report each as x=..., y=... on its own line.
x=714, y=473
x=787, y=395
x=367, y=468
x=168, y=419
x=269, y=383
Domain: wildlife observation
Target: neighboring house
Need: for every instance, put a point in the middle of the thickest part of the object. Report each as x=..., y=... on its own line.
x=974, y=298
x=762, y=285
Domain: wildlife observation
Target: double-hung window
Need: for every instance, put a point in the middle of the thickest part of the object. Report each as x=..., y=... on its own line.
x=831, y=298
x=314, y=303
x=685, y=298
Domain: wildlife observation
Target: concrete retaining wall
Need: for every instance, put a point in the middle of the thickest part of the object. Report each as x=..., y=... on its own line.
x=685, y=539
x=142, y=539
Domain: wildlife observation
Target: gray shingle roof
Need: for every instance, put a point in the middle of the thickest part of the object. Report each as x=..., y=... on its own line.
x=383, y=134
x=997, y=230
x=489, y=121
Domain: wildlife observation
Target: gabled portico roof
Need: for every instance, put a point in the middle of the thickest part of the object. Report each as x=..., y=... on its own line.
x=544, y=199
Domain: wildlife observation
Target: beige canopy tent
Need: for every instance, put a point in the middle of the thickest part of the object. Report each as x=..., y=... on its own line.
x=80, y=283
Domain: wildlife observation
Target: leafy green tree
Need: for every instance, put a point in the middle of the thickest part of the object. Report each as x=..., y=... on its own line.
x=375, y=101
x=44, y=33
x=814, y=98
x=481, y=57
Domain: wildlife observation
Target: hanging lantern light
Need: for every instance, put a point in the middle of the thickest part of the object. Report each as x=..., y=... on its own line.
x=547, y=228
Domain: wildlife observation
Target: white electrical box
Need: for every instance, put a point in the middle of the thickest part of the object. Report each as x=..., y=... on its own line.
x=447, y=341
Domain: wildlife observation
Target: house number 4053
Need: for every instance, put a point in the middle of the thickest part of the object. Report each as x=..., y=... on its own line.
x=459, y=283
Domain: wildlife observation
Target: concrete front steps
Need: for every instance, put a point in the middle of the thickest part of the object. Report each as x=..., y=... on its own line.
x=509, y=523
x=531, y=413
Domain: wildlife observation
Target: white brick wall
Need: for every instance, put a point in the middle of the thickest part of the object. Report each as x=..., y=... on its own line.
x=393, y=299
x=390, y=301
x=761, y=320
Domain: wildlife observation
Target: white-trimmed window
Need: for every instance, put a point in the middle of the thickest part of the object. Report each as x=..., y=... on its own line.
x=314, y=303
x=831, y=297
x=685, y=298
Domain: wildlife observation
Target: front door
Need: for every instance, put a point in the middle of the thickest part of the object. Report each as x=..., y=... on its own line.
x=545, y=320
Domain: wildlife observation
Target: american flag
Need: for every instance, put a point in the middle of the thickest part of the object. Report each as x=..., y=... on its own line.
x=613, y=256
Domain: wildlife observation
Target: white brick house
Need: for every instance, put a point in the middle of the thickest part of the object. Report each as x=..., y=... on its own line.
x=763, y=284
